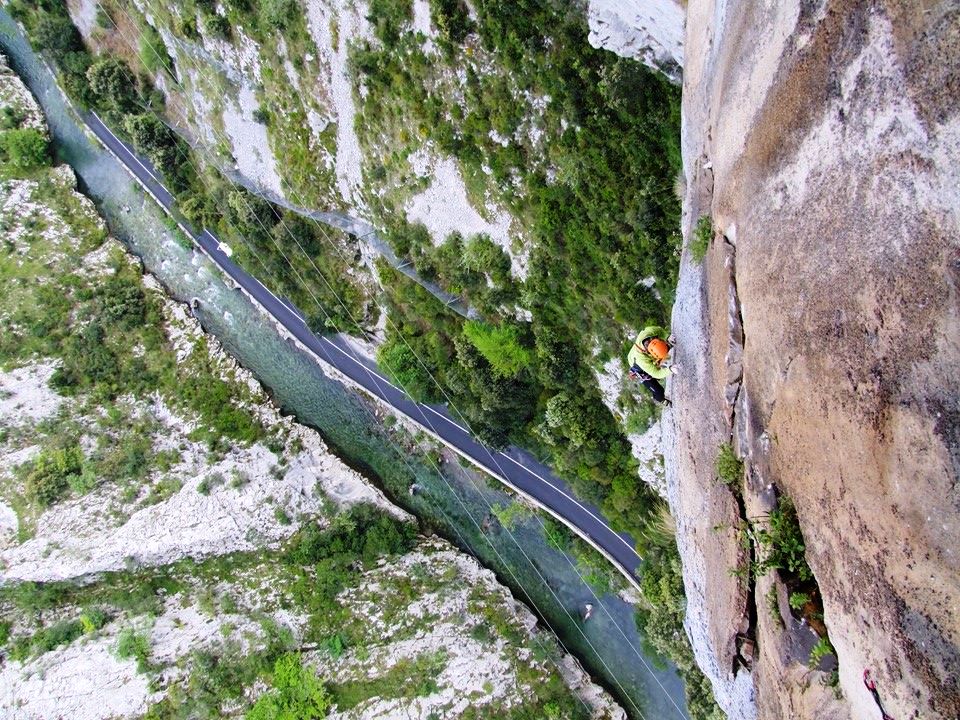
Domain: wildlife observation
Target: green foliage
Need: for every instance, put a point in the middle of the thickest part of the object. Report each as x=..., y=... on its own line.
x=24, y=149
x=11, y=118
x=335, y=645
x=780, y=543
x=452, y=17
x=401, y=363
x=363, y=532
x=51, y=473
x=134, y=645
x=57, y=34
x=773, y=606
x=729, y=467
x=296, y=693
x=660, y=622
x=500, y=346
x=511, y=515
x=799, y=599
x=154, y=139
x=702, y=235
x=388, y=18
x=557, y=534
x=407, y=678
x=152, y=50
x=277, y=14
x=112, y=83
x=218, y=26
x=819, y=651
x=53, y=636
x=92, y=620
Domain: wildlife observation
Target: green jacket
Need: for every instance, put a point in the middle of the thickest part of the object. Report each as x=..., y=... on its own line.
x=638, y=357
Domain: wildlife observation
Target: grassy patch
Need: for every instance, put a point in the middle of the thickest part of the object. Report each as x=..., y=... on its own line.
x=407, y=678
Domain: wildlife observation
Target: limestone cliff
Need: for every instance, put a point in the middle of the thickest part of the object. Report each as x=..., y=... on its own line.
x=824, y=140
x=648, y=31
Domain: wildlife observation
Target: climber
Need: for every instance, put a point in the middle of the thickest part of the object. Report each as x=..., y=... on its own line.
x=872, y=688
x=648, y=359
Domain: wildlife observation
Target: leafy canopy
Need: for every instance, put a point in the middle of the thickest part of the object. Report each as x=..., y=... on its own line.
x=297, y=693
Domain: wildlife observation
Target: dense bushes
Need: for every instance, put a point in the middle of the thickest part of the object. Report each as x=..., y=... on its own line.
x=601, y=219
x=24, y=148
x=296, y=693
x=52, y=473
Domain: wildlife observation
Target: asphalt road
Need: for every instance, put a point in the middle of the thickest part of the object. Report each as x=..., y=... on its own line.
x=514, y=466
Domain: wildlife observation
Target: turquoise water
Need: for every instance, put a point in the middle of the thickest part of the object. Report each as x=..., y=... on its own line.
x=454, y=502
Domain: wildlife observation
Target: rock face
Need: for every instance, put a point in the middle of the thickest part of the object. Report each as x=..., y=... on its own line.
x=650, y=31
x=824, y=140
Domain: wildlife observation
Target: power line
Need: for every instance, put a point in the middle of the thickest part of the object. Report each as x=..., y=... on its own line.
x=493, y=458
x=440, y=474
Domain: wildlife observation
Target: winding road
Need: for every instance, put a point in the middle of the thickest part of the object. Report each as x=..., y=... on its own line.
x=514, y=467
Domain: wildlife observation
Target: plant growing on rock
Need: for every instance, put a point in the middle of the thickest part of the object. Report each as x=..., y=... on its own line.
x=728, y=466
x=780, y=543
x=702, y=234
x=819, y=651
x=799, y=599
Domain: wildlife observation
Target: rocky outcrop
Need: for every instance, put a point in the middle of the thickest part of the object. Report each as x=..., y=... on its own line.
x=824, y=140
x=648, y=31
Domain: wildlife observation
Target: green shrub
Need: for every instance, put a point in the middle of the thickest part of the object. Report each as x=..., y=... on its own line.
x=780, y=543
x=728, y=466
x=11, y=118
x=511, y=515
x=51, y=473
x=92, y=620
x=702, y=235
x=296, y=693
x=799, y=599
x=819, y=651
x=773, y=605
x=131, y=644
x=113, y=85
x=83, y=482
x=24, y=148
x=500, y=346
x=335, y=645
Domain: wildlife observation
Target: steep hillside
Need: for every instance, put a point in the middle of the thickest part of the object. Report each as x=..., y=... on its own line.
x=496, y=151
x=819, y=335
x=171, y=546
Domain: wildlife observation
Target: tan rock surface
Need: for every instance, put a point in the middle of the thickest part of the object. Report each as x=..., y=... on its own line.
x=833, y=136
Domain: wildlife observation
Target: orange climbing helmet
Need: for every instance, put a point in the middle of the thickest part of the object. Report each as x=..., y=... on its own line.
x=657, y=349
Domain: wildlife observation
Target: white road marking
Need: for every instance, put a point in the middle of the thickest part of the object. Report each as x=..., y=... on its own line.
x=377, y=374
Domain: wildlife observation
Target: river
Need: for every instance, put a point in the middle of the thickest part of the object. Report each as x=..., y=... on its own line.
x=454, y=502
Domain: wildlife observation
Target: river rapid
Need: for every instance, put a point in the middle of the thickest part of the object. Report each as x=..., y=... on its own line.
x=454, y=501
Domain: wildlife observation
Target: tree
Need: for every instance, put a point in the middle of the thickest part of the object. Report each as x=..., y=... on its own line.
x=402, y=365
x=26, y=148
x=500, y=346
x=484, y=255
x=57, y=34
x=113, y=85
x=297, y=693
x=154, y=139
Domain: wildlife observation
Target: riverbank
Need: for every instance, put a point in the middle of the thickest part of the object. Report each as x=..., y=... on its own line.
x=608, y=644
x=167, y=518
